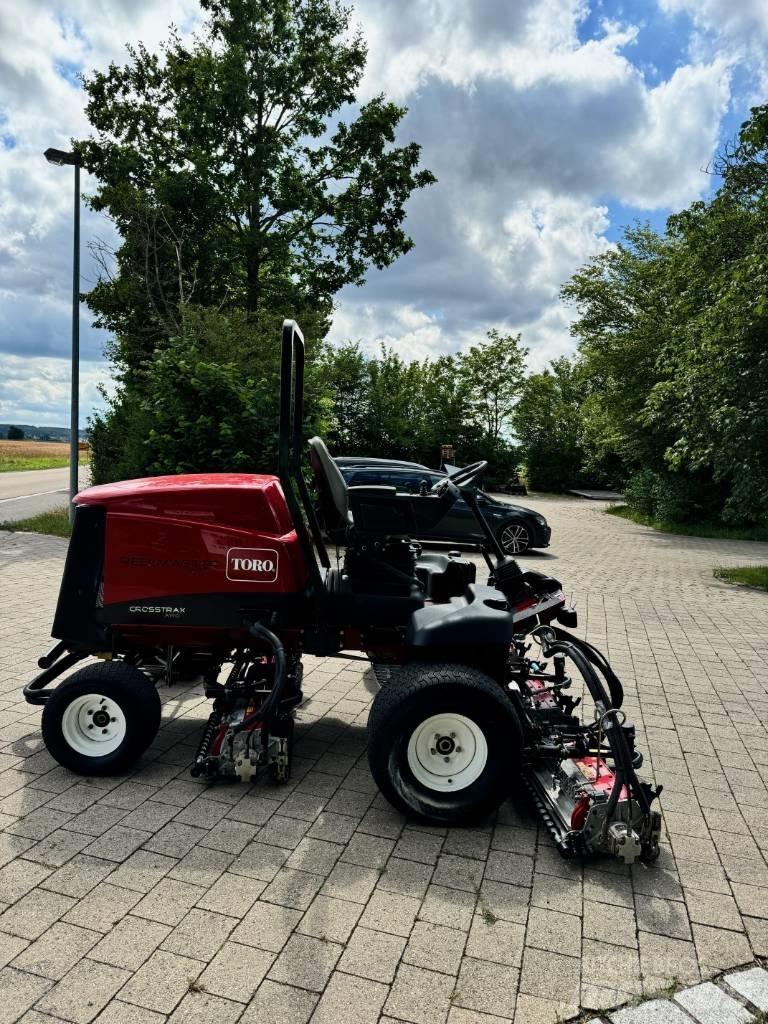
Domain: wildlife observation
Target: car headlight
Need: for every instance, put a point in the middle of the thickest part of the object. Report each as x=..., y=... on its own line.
x=540, y=520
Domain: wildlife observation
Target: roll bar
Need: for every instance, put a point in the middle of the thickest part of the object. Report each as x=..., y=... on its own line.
x=290, y=444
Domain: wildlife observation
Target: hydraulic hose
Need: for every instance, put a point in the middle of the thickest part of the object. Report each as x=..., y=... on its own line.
x=268, y=708
x=573, y=648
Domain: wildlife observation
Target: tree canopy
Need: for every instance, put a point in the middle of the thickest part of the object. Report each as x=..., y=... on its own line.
x=241, y=173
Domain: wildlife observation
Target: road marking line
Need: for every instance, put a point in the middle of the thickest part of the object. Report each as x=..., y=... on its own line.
x=37, y=494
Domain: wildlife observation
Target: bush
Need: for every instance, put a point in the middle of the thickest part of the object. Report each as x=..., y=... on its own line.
x=15, y=434
x=640, y=492
x=674, y=498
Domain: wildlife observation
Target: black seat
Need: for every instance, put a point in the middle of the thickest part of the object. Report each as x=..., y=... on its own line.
x=332, y=489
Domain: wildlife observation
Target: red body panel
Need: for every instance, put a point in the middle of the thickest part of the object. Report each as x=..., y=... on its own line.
x=208, y=533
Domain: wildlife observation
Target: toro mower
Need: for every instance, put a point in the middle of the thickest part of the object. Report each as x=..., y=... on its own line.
x=226, y=579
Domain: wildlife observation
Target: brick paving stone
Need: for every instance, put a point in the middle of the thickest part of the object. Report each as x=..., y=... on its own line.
x=292, y=888
x=329, y=918
x=663, y=917
x=10, y=946
x=617, y=925
x=664, y=961
x=708, y=1004
x=419, y=846
x=267, y=926
x=350, y=1000
x=486, y=988
x=200, y=934
x=496, y=941
x=19, y=991
x=350, y=882
x=78, y=876
x=162, y=981
x=57, y=950
x=315, y=855
x=104, y=906
x=752, y=985
x=279, y=1004
x=130, y=942
x=550, y=975
x=34, y=913
x=142, y=870
x=202, y=866
x=83, y=992
x=435, y=947
x=657, y=1011
x=228, y=895
x=420, y=996
x=371, y=954
x=236, y=971
x=535, y=1010
x=169, y=901
x=203, y=1007
x=549, y=929
x=719, y=949
x=367, y=851
x=306, y=962
x=118, y=1012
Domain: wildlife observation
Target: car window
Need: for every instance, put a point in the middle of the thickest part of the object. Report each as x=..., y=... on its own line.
x=362, y=477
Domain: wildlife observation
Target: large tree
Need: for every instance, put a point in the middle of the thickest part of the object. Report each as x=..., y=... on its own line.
x=240, y=173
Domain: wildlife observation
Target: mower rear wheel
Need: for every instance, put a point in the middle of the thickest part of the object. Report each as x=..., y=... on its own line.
x=101, y=719
x=444, y=743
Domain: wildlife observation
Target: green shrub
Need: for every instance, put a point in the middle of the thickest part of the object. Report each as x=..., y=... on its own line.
x=640, y=492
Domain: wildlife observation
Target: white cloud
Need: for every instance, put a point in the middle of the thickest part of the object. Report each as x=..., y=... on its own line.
x=532, y=130
x=37, y=390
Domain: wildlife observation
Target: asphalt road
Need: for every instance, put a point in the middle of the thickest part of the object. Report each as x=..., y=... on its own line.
x=30, y=492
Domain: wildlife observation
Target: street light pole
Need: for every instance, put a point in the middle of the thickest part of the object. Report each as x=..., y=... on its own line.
x=57, y=156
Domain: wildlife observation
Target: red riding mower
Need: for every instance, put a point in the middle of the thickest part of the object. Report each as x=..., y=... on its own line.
x=226, y=577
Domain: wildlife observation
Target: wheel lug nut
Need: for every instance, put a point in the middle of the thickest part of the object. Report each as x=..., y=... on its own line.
x=89, y=711
x=446, y=759
x=432, y=750
x=458, y=750
x=90, y=726
x=453, y=735
x=103, y=730
x=113, y=719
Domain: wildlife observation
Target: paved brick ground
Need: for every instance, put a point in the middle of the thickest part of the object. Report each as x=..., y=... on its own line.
x=153, y=896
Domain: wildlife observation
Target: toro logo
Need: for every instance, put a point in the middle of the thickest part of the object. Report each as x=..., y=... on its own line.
x=252, y=565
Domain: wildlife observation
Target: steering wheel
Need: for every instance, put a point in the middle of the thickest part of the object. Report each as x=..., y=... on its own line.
x=460, y=477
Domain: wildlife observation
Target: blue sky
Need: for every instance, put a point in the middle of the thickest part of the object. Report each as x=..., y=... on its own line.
x=549, y=123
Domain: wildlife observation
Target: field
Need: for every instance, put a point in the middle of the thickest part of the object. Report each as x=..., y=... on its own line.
x=15, y=455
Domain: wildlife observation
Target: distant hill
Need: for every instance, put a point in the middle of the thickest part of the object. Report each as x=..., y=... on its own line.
x=32, y=433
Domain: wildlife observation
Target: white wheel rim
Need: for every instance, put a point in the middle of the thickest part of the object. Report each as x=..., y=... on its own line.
x=514, y=538
x=93, y=725
x=447, y=752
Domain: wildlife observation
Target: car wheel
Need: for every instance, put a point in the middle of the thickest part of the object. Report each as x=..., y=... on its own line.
x=101, y=719
x=515, y=539
x=444, y=744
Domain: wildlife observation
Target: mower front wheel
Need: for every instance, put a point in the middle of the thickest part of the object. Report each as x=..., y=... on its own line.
x=444, y=743
x=101, y=719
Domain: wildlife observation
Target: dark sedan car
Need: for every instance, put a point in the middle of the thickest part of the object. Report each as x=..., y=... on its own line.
x=517, y=528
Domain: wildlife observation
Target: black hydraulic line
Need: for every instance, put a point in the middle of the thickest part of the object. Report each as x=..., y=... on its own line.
x=598, y=659
x=47, y=659
x=625, y=772
x=268, y=708
x=34, y=693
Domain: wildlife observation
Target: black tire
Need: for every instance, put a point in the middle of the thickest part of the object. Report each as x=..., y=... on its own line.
x=515, y=537
x=397, y=719
x=113, y=681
